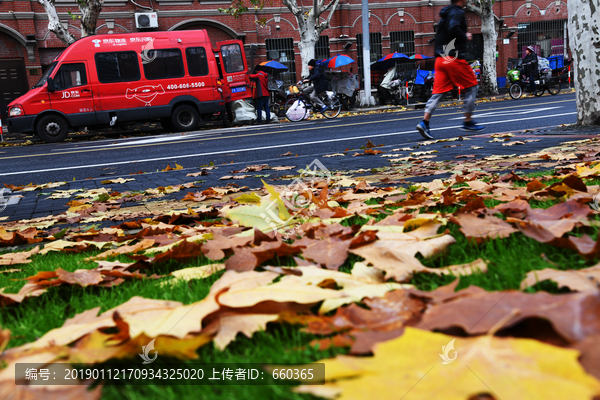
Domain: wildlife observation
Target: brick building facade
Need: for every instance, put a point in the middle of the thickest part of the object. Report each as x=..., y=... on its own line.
x=26, y=46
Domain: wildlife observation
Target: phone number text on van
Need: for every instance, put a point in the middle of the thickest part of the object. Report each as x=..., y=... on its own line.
x=187, y=85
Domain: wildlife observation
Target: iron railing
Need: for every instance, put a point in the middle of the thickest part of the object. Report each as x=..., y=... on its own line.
x=282, y=50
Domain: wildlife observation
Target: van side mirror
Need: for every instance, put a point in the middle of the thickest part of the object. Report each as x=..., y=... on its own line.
x=51, y=87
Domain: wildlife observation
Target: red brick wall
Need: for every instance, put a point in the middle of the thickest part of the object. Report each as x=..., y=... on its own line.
x=419, y=18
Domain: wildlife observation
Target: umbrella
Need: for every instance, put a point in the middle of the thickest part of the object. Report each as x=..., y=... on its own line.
x=389, y=61
x=336, y=61
x=420, y=57
x=270, y=66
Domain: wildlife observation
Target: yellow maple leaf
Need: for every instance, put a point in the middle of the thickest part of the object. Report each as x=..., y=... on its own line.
x=284, y=215
x=506, y=368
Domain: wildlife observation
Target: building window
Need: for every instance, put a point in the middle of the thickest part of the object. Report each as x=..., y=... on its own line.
x=549, y=38
x=403, y=42
x=196, y=61
x=322, y=48
x=166, y=63
x=282, y=50
x=376, y=50
x=122, y=66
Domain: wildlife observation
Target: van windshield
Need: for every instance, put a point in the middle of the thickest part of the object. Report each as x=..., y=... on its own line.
x=44, y=77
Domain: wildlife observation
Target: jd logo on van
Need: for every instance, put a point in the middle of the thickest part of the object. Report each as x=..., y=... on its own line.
x=145, y=93
x=70, y=95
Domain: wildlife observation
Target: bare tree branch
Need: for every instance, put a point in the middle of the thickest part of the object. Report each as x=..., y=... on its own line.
x=333, y=4
x=292, y=5
x=324, y=25
x=54, y=24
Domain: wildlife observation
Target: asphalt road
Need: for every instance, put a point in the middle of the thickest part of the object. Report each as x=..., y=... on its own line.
x=42, y=163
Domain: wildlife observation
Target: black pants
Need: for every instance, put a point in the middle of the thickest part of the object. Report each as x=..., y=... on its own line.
x=263, y=103
x=532, y=79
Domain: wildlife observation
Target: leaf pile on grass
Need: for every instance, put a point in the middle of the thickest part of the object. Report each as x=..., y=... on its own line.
x=313, y=258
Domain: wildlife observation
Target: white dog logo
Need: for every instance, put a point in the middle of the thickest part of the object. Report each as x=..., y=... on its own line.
x=145, y=94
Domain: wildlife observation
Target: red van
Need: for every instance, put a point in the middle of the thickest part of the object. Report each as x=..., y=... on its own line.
x=110, y=80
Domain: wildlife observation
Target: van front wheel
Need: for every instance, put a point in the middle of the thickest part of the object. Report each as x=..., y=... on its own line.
x=52, y=128
x=185, y=118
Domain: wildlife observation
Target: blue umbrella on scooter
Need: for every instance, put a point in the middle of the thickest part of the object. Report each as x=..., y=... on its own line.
x=271, y=66
x=336, y=61
x=389, y=61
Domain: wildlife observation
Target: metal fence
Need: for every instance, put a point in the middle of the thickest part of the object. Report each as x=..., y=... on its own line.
x=402, y=42
x=282, y=50
x=549, y=38
x=376, y=50
x=322, y=48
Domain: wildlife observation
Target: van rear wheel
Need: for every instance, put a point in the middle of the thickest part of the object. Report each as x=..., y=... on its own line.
x=52, y=128
x=185, y=118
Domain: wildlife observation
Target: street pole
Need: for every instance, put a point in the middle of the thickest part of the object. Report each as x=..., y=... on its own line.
x=366, y=100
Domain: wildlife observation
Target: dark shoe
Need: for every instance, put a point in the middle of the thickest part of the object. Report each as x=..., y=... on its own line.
x=324, y=109
x=471, y=126
x=424, y=130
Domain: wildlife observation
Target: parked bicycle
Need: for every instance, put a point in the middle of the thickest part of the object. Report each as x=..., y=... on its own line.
x=297, y=107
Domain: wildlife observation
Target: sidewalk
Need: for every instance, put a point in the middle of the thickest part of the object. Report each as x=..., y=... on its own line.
x=426, y=160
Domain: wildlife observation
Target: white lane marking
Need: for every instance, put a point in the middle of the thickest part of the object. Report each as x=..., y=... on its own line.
x=168, y=138
x=502, y=113
x=232, y=151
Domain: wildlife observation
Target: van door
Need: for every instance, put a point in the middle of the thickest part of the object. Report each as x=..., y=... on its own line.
x=73, y=93
x=233, y=67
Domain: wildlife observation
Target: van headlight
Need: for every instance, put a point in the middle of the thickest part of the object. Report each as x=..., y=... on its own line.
x=15, y=112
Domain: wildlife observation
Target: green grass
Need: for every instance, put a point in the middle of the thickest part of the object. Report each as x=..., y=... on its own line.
x=509, y=260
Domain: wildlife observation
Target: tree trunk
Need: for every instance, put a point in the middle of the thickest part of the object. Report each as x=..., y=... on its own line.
x=308, y=40
x=485, y=10
x=489, y=81
x=54, y=24
x=585, y=48
x=90, y=10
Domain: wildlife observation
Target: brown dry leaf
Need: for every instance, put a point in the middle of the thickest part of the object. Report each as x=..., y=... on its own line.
x=580, y=280
x=142, y=245
x=196, y=174
x=306, y=285
x=18, y=258
x=362, y=328
x=182, y=252
x=197, y=197
x=214, y=249
x=202, y=272
x=232, y=324
x=330, y=252
x=395, y=252
x=573, y=316
x=481, y=229
x=29, y=290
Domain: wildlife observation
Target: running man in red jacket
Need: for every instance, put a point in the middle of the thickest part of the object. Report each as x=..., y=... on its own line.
x=261, y=95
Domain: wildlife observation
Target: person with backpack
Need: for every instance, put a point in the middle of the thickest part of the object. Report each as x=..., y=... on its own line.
x=261, y=95
x=319, y=84
x=451, y=67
